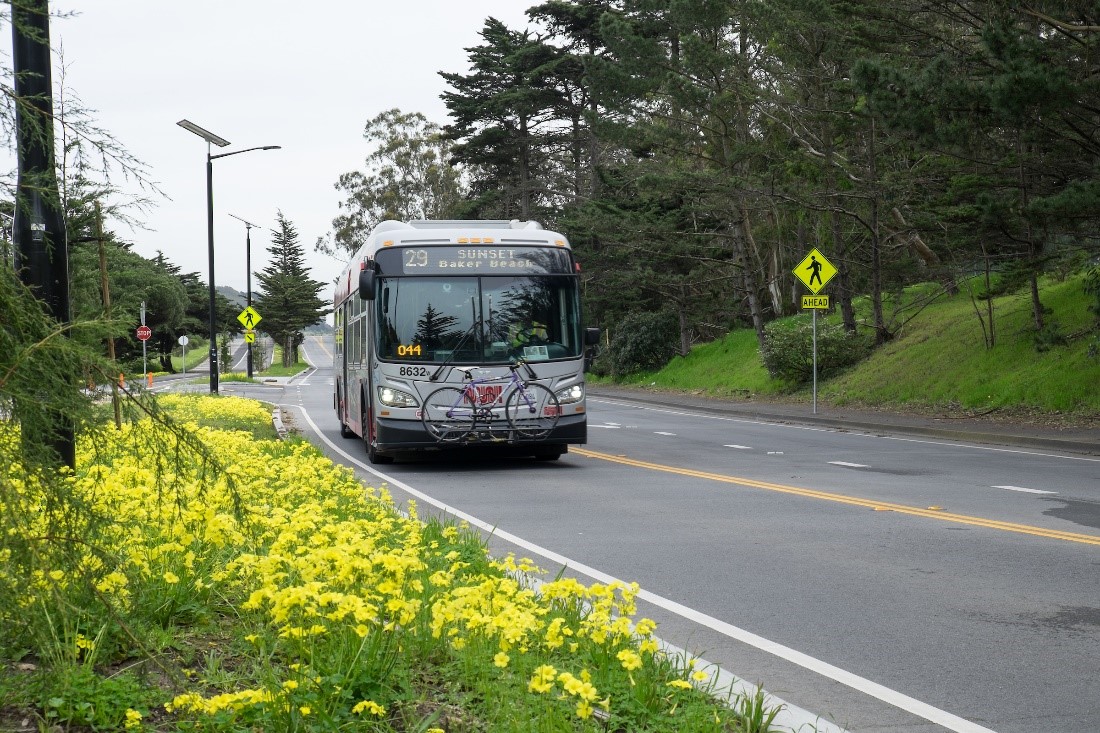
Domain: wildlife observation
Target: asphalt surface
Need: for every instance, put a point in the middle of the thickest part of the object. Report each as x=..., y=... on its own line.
x=1078, y=436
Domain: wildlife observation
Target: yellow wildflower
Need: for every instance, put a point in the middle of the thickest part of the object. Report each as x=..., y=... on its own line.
x=369, y=706
x=133, y=719
x=629, y=659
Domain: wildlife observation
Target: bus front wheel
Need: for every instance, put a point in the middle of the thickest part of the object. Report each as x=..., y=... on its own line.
x=371, y=440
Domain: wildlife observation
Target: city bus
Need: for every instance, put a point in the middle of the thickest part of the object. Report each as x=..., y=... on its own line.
x=489, y=310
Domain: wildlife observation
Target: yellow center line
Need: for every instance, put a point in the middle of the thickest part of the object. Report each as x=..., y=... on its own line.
x=1086, y=539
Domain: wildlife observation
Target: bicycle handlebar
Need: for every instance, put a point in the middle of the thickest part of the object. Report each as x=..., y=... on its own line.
x=513, y=367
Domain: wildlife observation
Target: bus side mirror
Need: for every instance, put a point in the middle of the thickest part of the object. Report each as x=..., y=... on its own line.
x=591, y=336
x=366, y=284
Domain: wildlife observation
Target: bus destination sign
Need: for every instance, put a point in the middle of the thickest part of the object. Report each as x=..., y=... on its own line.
x=474, y=260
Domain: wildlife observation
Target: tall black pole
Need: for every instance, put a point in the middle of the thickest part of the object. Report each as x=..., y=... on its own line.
x=210, y=246
x=41, y=252
x=248, y=282
x=212, y=139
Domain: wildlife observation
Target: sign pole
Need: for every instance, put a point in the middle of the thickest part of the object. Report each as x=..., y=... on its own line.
x=144, y=366
x=815, y=271
x=815, y=360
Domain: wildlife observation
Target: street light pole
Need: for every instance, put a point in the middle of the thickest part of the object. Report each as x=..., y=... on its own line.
x=248, y=280
x=212, y=139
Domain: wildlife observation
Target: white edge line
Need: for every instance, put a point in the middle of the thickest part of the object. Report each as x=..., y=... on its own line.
x=860, y=684
x=857, y=430
x=848, y=465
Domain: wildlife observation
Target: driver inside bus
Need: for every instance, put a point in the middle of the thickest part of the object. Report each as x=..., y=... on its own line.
x=528, y=331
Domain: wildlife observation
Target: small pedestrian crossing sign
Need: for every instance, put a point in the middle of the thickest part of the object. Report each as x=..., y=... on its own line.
x=814, y=271
x=249, y=318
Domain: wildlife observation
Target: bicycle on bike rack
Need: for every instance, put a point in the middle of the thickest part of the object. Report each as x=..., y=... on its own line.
x=530, y=409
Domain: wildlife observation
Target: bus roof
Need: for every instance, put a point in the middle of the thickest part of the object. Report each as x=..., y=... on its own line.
x=443, y=232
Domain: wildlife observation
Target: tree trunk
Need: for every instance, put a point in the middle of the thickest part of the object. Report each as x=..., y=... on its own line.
x=685, y=330
x=882, y=335
x=923, y=251
x=524, y=171
x=1032, y=247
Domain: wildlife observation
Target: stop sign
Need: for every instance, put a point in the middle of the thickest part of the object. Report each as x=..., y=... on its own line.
x=144, y=333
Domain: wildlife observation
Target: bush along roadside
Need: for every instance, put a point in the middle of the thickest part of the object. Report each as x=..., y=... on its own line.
x=788, y=350
x=252, y=584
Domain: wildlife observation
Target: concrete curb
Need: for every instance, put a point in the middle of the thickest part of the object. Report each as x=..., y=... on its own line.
x=277, y=421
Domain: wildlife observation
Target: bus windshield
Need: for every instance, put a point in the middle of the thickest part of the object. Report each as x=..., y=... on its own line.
x=491, y=319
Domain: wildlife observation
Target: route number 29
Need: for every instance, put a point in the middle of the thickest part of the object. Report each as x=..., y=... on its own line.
x=416, y=258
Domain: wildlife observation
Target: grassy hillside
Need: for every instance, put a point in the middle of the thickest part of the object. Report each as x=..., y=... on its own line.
x=937, y=360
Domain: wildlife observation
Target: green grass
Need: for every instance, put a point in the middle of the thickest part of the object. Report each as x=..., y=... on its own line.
x=276, y=369
x=196, y=354
x=728, y=367
x=937, y=359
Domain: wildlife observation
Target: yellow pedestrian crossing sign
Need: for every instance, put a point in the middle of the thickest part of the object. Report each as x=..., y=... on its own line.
x=249, y=318
x=814, y=271
x=250, y=336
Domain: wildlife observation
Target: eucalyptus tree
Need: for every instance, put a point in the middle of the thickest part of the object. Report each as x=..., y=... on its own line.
x=407, y=176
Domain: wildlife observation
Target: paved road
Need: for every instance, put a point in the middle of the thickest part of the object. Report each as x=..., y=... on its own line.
x=888, y=582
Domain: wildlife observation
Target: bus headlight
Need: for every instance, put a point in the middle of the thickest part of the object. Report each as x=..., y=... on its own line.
x=571, y=394
x=391, y=397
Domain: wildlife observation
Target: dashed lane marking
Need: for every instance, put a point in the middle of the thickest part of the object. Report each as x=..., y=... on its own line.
x=848, y=465
x=1025, y=490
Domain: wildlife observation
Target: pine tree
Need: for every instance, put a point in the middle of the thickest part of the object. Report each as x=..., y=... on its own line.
x=288, y=301
x=500, y=111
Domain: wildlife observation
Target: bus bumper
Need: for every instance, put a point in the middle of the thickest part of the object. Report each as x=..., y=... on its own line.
x=394, y=436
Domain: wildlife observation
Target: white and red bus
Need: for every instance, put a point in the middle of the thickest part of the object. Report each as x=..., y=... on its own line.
x=428, y=304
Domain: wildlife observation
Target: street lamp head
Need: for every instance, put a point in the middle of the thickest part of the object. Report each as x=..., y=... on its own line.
x=247, y=223
x=272, y=147
x=203, y=133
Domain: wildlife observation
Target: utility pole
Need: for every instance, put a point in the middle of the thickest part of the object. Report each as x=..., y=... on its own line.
x=41, y=252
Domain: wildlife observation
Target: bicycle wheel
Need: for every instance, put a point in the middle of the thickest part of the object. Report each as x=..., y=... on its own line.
x=448, y=414
x=532, y=410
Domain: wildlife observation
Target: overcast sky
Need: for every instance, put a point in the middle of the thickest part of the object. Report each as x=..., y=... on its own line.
x=306, y=76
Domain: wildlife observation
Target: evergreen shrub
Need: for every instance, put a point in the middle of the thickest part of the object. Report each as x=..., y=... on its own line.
x=788, y=350
x=641, y=342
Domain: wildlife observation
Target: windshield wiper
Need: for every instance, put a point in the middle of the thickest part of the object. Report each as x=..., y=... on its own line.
x=447, y=362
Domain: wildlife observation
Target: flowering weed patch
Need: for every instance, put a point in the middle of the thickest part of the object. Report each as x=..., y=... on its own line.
x=264, y=588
